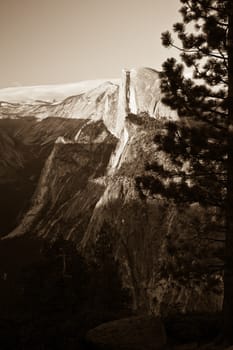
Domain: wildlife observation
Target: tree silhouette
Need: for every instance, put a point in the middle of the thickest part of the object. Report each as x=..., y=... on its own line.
x=200, y=144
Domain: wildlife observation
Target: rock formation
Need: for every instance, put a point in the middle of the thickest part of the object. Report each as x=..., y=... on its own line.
x=85, y=154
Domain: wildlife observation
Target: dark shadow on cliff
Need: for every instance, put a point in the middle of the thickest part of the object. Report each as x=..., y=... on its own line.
x=25, y=144
x=50, y=296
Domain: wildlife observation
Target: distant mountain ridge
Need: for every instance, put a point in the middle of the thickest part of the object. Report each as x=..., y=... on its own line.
x=49, y=93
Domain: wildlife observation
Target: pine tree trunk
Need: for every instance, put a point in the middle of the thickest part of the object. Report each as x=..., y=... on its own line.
x=228, y=271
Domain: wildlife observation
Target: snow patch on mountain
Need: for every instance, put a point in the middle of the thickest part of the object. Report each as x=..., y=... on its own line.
x=49, y=93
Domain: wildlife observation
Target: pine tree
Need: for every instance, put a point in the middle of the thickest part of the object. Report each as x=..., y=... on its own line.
x=200, y=144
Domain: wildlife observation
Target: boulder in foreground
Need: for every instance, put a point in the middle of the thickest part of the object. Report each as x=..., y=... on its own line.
x=136, y=333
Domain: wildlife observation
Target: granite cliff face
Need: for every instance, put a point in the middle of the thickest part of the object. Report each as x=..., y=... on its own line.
x=32, y=131
x=81, y=157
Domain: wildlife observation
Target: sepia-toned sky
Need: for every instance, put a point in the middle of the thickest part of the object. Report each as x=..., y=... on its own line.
x=61, y=41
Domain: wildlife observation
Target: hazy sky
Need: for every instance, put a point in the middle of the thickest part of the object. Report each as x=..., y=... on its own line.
x=60, y=41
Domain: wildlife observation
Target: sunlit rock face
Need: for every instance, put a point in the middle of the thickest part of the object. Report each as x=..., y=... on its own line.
x=142, y=89
x=140, y=93
x=73, y=164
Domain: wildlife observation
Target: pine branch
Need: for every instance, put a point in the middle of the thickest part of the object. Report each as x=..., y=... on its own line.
x=198, y=50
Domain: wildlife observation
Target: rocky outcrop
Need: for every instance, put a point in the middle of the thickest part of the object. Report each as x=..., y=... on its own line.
x=142, y=230
x=25, y=145
x=68, y=190
x=140, y=93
